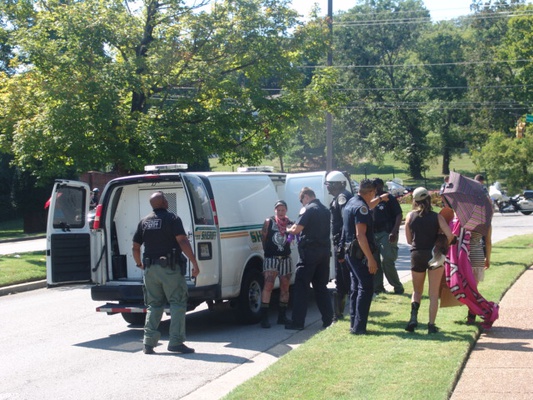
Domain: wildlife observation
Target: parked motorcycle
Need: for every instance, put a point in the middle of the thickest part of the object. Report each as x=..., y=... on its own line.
x=518, y=203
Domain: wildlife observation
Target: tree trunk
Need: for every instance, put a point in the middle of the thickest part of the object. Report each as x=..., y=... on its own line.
x=446, y=161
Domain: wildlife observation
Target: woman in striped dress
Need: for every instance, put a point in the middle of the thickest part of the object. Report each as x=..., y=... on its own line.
x=480, y=259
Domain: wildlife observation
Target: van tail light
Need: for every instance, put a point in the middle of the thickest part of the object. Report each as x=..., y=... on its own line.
x=214, y=209
x=96, y=224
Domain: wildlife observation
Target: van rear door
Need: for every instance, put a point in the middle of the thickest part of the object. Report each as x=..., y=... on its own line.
x=68, y=236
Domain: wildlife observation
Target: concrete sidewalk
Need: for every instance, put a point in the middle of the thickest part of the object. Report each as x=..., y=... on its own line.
x=501, y=363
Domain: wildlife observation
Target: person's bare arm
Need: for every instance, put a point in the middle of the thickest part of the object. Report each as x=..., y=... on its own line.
x=393, y=237
x=295, y=229
x=488, y=247
x=136, y=250
x=360, y=233
x=264, y=232
x=443, y=225
x=376, y=200
x=408, y=233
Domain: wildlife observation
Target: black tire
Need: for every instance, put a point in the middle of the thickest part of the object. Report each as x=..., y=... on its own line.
x=135, y=319
x=249, y=301
x=526, y=212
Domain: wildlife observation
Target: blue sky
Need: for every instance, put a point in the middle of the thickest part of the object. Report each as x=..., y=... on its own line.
x=439, y=9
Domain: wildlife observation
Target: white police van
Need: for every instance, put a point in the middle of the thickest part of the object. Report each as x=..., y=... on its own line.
x=222, y=213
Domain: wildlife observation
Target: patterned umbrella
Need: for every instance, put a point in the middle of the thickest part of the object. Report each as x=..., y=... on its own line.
x=470, y=202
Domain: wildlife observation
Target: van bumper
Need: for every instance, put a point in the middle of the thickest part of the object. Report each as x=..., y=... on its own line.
x=134, y=293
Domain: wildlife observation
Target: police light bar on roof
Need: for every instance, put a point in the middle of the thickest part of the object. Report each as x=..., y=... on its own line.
x=262, y=168
x=165, y=167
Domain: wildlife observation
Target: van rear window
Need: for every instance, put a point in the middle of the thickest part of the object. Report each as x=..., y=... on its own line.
x=69, y=210
x=203, y=215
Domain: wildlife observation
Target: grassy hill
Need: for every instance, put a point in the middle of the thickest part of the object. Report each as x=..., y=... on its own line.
x=388, y=170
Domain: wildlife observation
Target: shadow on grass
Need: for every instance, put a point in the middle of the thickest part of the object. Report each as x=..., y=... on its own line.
x=397, y=329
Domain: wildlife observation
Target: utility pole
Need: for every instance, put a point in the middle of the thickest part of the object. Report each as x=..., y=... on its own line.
x=329, y=117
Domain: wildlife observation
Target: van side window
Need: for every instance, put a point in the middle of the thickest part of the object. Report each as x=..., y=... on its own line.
x=69, y=210
x=203, y=214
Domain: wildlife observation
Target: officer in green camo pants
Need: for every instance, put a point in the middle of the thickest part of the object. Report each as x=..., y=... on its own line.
x=163, y=235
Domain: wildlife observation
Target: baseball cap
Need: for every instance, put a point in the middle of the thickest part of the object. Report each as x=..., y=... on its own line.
x=420, y=193
x=280, y=203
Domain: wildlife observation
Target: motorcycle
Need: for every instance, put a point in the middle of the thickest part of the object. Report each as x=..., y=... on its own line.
x=505, y=204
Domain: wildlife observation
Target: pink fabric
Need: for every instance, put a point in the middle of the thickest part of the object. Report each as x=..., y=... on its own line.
x=460, y=278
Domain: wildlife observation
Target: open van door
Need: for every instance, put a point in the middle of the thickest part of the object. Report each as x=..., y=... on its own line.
x=316, y=181
x=68, y=236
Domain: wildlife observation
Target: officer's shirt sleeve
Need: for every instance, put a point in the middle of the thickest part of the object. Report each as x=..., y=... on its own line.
x=177, y=226
x=138, y=236
x=363, y=215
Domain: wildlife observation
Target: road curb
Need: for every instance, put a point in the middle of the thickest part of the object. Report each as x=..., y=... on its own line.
x=23, y=239
x=22, y=287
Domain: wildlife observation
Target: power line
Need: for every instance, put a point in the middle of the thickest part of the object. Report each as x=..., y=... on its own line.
x=442, y=107
x=418, y=88
x=414, y=20
x=422, y=88
x=381, y=66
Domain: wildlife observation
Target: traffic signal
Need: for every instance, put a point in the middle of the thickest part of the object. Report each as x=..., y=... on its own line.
x=520, y=128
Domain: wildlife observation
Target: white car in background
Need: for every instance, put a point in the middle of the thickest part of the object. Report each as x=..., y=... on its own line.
x=396, y=188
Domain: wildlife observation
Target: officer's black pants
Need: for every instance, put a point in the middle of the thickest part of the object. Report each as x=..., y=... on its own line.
x=361, y=294
x=314, y=270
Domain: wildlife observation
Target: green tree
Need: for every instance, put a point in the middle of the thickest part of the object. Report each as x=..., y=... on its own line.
x=111, y=87
x=378, y=45
x=441, y=47
x=490, y=72
x=508, y=158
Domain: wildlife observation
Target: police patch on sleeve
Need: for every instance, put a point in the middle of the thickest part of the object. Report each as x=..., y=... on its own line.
x=364, y=210
x=341, y=199
x=302, y=210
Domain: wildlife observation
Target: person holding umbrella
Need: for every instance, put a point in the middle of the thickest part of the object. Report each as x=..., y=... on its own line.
x=474, y=211
x=422, y=225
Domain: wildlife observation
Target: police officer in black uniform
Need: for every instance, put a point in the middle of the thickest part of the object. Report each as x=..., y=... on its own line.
x=313, y=225
x=336, y=184
x=164, y=239
x=358, y=237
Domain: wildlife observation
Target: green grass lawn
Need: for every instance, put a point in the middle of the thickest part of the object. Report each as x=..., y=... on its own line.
x=389, y=362
x=18, y=268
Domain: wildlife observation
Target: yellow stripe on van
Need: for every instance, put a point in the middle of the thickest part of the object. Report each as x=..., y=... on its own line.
x=232, y=235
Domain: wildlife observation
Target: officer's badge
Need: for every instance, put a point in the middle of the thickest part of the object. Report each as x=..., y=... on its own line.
x=364, y=210
x=341, y=199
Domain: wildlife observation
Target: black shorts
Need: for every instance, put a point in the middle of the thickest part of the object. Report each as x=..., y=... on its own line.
x=420, y=259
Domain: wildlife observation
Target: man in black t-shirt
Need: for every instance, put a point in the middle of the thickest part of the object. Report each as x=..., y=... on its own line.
x=387, y=220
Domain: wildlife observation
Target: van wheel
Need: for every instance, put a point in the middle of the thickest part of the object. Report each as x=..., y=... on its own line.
x=526, y=212
x=249, y=302
x=136, y=319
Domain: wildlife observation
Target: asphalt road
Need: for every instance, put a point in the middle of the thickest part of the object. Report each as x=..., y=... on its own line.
x=22, y=246
x=55, y=346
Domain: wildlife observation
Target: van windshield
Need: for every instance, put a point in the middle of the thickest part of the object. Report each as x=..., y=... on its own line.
x=203, y=214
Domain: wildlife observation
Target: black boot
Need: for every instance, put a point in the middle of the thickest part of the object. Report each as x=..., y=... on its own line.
x=282, y=316
x=264, y=316
x=471, y=318
x=342, y=306
x=413, y=322
x=336, y=306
